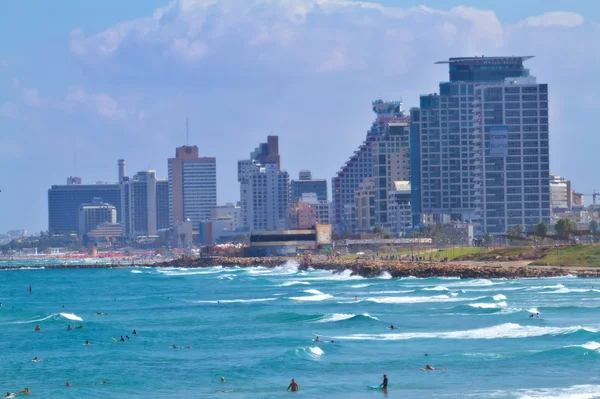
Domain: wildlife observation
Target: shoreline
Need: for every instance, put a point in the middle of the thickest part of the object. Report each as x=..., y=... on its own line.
x=361, y=267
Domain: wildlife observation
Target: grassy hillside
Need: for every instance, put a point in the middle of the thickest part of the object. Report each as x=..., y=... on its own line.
x=573, y=255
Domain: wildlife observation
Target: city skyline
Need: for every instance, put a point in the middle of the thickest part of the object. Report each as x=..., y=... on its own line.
x=102, y=114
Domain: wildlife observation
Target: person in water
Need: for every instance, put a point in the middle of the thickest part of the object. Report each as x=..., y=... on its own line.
x=293, y=386
x=69, y=384
x=127, y=336
x=37, y=328
x=134, y=332
x=428, y=367
x=356, y=298
x=392, y=327
x=122, y=339
x=80, y=326
x=87, y=343
x=317, y=339
x=222, y=379
x=26, y=391
x=69, y=328
x=9, y=395
x=30, y=290
x=384, y=384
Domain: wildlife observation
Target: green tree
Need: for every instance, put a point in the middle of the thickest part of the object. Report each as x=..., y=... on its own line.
x=564, y=228
x=511, y=233
x=377, y=229
x=594, y=227
x=519, y=230
x=541, y=230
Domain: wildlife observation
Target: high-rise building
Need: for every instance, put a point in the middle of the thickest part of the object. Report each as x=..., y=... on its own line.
x=64, y=202
x=93, y=214
x=560, y=193
x=384, y=154
x=399, y=212
x=479, y=148
x=306, y=184
x=264, y=188
x=139, y=205
x=122, y=170
x=162, y=204
x=364, y=206
x=192, y=186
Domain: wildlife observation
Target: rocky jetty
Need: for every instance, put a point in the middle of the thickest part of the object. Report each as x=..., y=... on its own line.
x=363, y=267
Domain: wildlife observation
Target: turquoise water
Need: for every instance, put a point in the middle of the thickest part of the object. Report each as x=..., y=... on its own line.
x=256, y=326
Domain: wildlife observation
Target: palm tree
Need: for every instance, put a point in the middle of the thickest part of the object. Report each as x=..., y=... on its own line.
x=519, y=230
x=564, y=228
x=541, y=230
x=594, y=227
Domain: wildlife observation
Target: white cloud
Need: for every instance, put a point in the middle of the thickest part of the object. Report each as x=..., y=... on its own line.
x=563, y=19
x=32, y=97
x=101, y=103
x=336, y=62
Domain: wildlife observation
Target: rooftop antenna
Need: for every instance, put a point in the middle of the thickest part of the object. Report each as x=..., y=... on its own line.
x=187, y=131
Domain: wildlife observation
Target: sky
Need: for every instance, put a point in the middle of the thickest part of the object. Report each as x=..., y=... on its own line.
x=83, y=84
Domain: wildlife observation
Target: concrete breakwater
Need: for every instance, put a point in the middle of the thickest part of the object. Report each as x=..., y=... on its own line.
x=360, y=267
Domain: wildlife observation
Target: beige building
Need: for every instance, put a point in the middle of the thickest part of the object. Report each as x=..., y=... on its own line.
x=364, y=205
x=192, y=186
x=94, y=214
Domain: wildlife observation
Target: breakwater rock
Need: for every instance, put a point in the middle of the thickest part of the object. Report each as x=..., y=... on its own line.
x=397, y=269
x=360, y=267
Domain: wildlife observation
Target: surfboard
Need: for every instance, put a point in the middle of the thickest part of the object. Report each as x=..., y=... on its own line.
x=377, y=386
x=114, y=339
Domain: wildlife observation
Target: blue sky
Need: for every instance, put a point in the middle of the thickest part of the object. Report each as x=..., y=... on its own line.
x=85, y=83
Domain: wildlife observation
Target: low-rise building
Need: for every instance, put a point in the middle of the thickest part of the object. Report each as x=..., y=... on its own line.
x=291, y=242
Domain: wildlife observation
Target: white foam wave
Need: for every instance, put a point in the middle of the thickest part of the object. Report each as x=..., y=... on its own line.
x=591, y=345
x=385, y=276
x=474, y=283
x=497, y=305
x=502, y=331
x=573, y=392
x=545, y=287
x=313, y=291
x=136, y=271
x=228, y=276
x=71, y=316
x=293, y=282
x=333, y=317
x=420, y=299
x=238, y=300
x=499, y=297
x=437, y=288
x=315, y=350
x=290, y=267
x=359, y=285
x=330, y=276
x=34, y=320
x=392, y=292
x=312, y=298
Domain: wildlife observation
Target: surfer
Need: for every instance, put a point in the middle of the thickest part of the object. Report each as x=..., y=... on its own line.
x=317, y=339
x=26, y=391
x=80, y=326
x=392, y=327
x=103, y=382
x=531, y=315
x=384, y=384
x=9, y=395
x=69, y=328
x=35, y=359
x=134, y=332
x=222, y=379
x=69, y=384
x=87, y=343
x=293, y=386
x=537, y=315
x=37, y=328
x=122, y=339
x=428, y=367
x=127, y=336
x=30, y=290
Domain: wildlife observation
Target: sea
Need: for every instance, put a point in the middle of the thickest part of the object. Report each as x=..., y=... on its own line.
x=256, y=328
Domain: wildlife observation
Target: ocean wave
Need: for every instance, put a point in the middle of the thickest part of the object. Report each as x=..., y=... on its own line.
x=498, y=297
x=385, y=276
x=312, y=298
x=359, y=285
x=482, y=282
x=436, y=288
x=238, y=300
x=573, y=392
x=52, y=316
x=591, y=345
x=310, y=352
x=420, y=299
x=313, y=291
x=71, y=316
x=136, y=271
x=502, y=331
x=290, y=267
x=332, y=276
x=293, y=282
x=495, y=289
x=498, y=305
x=391, y=292
x=334, y=317
x=228, y=276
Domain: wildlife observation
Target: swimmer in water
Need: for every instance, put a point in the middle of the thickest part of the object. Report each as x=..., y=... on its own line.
x=356, y=298
x=127, y=336
x=37, y=328
x=103, y=382
x=134, y=332
x=317, y=339
x=222, y=379
x=293, y=386
x=9, y=395
x=69, y=328
x=392, y=327
x=122, y=339
x=35, y=359
x=26, y=391
x=69, y=384
x=87, y=343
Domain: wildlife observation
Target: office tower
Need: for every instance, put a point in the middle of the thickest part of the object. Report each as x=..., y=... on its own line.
x=399, y=212
x=306, y=184
x=64, y=202
x=122, y=170
x=364, y=206
x=139, y=205
x=95, y=213
x=264, y=188
x=192, y=186
x=384, y=154
x=479, y=148
x=162, y=204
